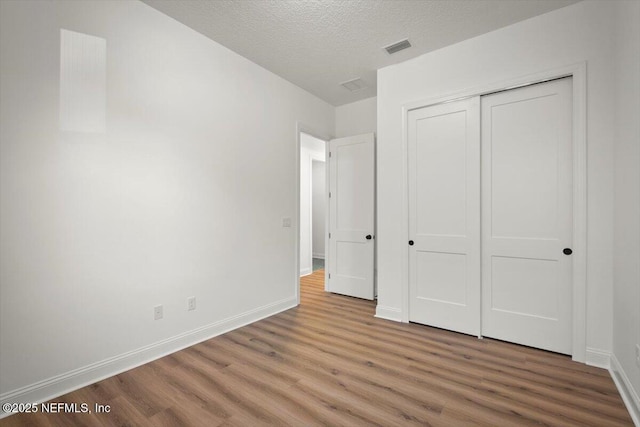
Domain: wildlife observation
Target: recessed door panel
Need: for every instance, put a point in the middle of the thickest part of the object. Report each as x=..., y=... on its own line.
x=524, y=286
x=353, y=167
x=441, y=278
x=351, y=259
x=524, y=174
x=441, y=150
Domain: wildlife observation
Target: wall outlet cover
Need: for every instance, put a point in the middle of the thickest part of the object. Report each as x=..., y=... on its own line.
x=157, y=312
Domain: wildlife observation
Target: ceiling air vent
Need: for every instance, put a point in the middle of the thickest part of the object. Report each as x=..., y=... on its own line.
x=397, y=47
x=354, y=84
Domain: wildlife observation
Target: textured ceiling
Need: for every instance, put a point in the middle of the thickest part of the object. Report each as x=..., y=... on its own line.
x=317, y=44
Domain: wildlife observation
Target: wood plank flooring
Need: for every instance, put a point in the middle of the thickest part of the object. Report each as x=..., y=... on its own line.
x=330, y=362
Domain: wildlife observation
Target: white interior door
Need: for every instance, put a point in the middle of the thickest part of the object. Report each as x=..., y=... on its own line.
x=444, y=215
x=351, y=216
x=527, y=215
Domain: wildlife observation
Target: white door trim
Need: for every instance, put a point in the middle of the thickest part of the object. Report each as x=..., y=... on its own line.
x=579, y=141
x=309, y=130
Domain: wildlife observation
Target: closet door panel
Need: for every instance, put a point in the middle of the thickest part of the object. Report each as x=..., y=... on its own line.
x=444, y=215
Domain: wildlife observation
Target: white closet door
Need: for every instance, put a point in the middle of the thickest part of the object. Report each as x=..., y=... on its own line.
x=351, y=215
x=444, y=215
x=527, y=215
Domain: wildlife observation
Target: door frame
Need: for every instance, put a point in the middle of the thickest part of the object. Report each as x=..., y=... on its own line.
x=578, y=72
x=302, y=127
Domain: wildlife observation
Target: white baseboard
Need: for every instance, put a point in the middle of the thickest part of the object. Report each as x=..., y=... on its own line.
x=305, y=271
x=629, y=395
x=388, y=313
x=598, y=358
x=81, y=377
x=321, y=256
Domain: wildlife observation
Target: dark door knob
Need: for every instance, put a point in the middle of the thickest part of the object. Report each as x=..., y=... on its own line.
x=410, y=242
x=567, y=251
x=368, y=237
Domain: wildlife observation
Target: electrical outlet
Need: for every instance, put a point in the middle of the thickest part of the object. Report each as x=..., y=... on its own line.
x=638, y=355
x=286, y=222
x=191, y=303
x=157, y=312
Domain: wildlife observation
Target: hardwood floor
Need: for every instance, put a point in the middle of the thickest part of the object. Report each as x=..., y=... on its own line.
x=330, y=362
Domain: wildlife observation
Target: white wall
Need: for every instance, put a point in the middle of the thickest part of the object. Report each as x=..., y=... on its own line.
x=319, y=208
x=626, y=291
x=566, y=36
x=311, y=149
x=356, y=118
x=183, y=195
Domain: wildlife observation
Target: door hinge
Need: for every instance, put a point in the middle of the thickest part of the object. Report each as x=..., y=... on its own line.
x=329, y=275
x=329, y=194
x=329, y=153
x=329, y=235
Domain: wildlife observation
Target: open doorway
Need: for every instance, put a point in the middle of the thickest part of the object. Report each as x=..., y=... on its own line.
x=349, y=231
x=318, y=213
x=313, y=206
